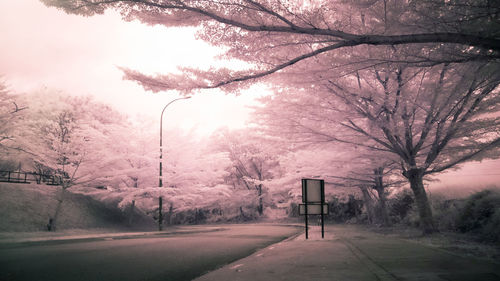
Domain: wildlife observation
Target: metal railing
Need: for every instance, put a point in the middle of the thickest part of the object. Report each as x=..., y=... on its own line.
x=28, y=177
x=17, y=177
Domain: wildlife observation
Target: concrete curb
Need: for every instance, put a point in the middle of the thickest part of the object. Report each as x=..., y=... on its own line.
x=16, y=242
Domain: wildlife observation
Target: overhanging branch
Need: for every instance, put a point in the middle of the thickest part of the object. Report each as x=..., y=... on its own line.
x=465, y=158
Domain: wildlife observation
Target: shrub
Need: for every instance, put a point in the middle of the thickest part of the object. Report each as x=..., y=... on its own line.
x=8, y=165
x=343, y=210
x=446, y=212
x=491, y=231
x=400, y=205
x=481, y=215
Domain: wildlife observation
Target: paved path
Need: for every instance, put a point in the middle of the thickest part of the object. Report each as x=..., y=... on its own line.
x=351, y=254
x=179, y=255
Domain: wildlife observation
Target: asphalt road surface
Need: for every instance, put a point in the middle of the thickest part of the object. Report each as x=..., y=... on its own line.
x=178, y=256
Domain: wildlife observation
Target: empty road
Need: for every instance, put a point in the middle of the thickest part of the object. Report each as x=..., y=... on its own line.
x=179, y=256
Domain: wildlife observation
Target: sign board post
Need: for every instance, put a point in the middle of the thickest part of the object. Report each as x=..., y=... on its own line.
x=313, y=197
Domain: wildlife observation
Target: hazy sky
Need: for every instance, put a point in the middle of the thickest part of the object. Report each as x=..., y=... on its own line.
x=44, y=47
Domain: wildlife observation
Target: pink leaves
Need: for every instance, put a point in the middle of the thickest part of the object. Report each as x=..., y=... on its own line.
x=192, y=79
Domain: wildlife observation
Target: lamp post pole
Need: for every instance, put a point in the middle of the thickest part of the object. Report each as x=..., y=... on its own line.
x=160, y=181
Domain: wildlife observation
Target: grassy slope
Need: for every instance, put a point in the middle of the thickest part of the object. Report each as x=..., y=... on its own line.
x=456, y=243
x=27, y=207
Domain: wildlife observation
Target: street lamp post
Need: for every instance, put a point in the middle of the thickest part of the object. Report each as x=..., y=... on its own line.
x=160, y=181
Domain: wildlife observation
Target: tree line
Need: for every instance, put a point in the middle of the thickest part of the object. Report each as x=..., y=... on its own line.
x=411, y=85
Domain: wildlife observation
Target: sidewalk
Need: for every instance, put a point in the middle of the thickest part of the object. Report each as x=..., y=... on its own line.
x=350, y=253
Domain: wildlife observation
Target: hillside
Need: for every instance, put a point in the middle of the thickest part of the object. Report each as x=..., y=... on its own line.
x=27, y=207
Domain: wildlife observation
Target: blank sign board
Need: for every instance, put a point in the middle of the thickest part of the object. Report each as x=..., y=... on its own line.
x=313, y=209
x=313, y=191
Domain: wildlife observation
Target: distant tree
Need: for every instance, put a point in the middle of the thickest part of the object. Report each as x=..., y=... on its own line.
x=66, y=136
x=133, y=144
x=278, y=37
x=379, y=175
x=251, y=163
x=193, y=173
x=191, y=164
x=10, y=115
x=429, y=118
x=341, y=165
x=307, y=162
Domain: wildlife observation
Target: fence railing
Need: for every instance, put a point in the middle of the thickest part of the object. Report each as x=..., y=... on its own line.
x=28, y=177
x=17, y=177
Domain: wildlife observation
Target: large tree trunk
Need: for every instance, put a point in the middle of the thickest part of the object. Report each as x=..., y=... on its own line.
x=379, y=187
x=367, y=198
x=52, y=225
x=415, y=176
x=242, y=214
x=131, y=213
x=384, y=214
x=260, y=208
x=170, y=214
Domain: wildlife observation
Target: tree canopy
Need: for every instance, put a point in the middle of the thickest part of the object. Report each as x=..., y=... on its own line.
x=277, y=36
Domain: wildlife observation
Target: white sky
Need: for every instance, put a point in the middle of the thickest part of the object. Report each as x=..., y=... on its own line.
x=44, y=47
